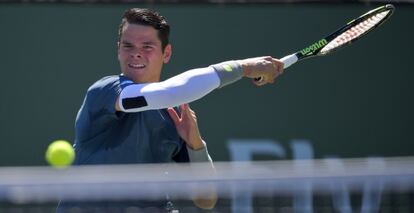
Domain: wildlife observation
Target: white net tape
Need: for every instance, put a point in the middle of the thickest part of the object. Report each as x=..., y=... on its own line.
x=28, y=184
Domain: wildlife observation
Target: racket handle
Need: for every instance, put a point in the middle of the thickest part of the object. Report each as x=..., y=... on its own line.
x=287, y=62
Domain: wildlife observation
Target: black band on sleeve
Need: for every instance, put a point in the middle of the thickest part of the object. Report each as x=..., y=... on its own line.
x=135, y=102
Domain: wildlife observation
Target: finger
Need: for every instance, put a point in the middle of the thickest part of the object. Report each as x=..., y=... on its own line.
x=279, y=65
x=261, y=58
x=188, y=111
x=185, y=111
x=191, y=112
x=182, y=108
x=272, y=79
x=174, y=116
x=268, y=58
x=269, y=76
x=259, y=83
x=193, y=115
x=188, y=107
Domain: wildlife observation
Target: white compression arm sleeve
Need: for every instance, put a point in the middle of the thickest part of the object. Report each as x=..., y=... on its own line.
x=183, y=88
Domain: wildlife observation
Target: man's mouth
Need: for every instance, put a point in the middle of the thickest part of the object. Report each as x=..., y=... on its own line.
x=136, y=66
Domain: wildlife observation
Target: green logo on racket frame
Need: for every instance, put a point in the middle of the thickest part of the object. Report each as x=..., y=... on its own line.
x=315, y=46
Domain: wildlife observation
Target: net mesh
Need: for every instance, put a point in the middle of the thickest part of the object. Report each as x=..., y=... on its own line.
x=355, y=32
x=328, y=185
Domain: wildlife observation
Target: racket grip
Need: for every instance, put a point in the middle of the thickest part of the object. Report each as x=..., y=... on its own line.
x=287, y=62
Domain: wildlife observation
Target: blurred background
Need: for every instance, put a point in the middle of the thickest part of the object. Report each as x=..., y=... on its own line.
x=354, y=103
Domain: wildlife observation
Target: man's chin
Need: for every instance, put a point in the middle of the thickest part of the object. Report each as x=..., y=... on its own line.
x=140, y=76
x=137, y=70
x=136, y=73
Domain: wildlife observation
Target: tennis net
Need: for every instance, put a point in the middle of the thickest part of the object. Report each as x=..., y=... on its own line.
x=324, y=185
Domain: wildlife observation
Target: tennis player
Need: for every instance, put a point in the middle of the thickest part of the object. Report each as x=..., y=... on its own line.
x=128, y=119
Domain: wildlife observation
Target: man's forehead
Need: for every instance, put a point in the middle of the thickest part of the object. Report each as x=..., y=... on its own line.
x=137, y=32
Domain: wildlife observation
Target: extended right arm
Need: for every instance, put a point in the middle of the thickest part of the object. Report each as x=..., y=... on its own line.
x=194, y=84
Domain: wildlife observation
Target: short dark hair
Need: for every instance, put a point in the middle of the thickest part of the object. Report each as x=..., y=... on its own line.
x=146, y=17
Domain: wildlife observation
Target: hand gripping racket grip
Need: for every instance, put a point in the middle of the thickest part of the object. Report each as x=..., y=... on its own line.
x=287, y=62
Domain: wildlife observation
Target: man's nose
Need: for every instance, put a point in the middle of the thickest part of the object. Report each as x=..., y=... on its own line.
x=136, y=54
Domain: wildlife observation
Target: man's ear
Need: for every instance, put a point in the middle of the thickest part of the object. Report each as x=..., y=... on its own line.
x=167, y=53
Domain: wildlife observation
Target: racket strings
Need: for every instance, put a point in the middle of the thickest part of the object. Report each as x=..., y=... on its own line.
x=355, y=31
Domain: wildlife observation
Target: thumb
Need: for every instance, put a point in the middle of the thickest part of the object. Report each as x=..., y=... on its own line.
x=174, y=116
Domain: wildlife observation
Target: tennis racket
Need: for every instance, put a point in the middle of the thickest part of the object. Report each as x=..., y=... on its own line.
x=344, y=36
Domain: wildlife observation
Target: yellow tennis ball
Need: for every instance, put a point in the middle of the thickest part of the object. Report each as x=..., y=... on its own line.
x=60, y=154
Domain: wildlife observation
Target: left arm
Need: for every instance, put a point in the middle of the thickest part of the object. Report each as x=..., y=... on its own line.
x=187, y=128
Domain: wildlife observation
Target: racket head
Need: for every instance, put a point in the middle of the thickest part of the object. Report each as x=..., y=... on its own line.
x=355, y=29
x=349, y=33
x=344, y=36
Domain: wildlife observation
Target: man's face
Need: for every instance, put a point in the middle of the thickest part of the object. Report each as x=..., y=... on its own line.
x=140, y=53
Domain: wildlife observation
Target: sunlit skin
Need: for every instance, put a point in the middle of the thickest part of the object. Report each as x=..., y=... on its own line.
x=140, y=53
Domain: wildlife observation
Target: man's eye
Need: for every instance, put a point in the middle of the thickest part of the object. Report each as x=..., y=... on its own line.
x=148, y=47
x=127, y=45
